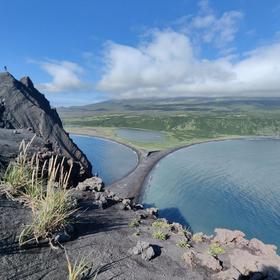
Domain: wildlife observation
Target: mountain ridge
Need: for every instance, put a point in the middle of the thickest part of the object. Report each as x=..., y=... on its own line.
x=22, y=106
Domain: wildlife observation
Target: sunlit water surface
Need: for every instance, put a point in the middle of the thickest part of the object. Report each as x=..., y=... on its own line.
x=109, y=159
x=233, y=184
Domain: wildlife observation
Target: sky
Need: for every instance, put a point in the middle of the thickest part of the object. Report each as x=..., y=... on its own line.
x=85, y=51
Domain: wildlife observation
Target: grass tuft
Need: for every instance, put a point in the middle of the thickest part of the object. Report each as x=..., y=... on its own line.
x=134, y=223
x=160, y=235
x=48, y=198
x=183, y=244
x=161, y=224
x=51, y=209
x=215, y=249
x=18, y=176
x=79, y=269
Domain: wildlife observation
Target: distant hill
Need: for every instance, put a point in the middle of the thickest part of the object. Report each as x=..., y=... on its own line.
x=173, y=104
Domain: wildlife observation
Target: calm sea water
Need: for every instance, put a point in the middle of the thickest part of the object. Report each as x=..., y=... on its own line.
x=232, y=184
x=109, y=159
x=139, y=135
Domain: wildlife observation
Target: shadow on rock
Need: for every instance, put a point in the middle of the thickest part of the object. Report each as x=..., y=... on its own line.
x=94, y=221
x=268, y=272
x=174, y=214
x=104, y=268
x=157, y=250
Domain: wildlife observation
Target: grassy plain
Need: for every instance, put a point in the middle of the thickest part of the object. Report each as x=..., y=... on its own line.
x=183, y=120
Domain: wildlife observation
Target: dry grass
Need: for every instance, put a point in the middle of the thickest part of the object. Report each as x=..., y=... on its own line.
x=18, y=176
x=48, y=198
x=80, y=269
x=51, y=208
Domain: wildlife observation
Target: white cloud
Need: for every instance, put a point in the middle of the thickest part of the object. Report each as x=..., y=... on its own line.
x=207, y=27
x=166, y=65
x=65, y=76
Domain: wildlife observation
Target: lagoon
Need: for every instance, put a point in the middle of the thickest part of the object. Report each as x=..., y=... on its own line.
x=109, y=159
x=233, y=184
x=141, y=135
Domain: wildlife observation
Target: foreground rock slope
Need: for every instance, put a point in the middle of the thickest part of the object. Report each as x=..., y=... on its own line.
x=119, y=237
x=22, y=106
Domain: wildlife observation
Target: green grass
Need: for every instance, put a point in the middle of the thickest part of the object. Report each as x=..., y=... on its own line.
x=51, y=208
x=134, y=223
x=215, y=249
x=17, y=180
x=180, y=128
x=48, y=198
x=161, y=224
x=160, y=235
x=79, y=269
x=183, y=244
x=50, y=214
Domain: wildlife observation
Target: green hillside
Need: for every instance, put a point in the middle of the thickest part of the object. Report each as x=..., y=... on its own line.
x=184, y=120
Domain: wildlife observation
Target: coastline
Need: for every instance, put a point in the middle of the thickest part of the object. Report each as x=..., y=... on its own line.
x=132, y=184
x=133, y=187
x=138, y=152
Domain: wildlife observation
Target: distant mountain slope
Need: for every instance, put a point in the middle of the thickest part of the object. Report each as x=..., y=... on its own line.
x=173, y=104
x=23, y=106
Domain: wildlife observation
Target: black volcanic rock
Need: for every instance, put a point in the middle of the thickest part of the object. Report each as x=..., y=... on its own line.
x=24, y=107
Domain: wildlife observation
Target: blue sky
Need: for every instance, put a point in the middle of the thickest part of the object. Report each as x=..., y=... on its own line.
x=80, y=52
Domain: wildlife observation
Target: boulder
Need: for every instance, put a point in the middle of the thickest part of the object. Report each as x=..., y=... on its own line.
x=140, y=247
x=209, y=262
x=148, y=254
x=145, y=249
x=92, y=184
x=230, y=237
x=152, y=211
x=242, y=263
x=259, y=248
x=126, y=202
x=194, y=258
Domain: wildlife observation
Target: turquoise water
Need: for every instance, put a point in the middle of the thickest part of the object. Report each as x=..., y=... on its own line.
x=232, y=184
x=109, y=159
x=142, y=136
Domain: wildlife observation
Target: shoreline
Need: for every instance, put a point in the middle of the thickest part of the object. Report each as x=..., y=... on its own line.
x=132, y=184
x=135, y=190
x=138, y=152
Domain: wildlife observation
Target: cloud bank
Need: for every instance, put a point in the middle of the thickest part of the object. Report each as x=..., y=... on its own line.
x=65, y=76
x=167, y=66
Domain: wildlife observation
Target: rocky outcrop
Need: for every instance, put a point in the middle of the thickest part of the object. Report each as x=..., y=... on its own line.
x=9, y=143
x=234, y=257
x=122, y=244
x=22, y=106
